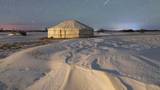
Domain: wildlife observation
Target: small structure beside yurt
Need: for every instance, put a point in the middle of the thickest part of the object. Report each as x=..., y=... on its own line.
x=70, y=29
x=18, y=33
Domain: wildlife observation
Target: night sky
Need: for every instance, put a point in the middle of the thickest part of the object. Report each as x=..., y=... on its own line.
x=108, y=14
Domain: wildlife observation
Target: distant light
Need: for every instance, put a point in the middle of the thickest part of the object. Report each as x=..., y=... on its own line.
x=128, y=26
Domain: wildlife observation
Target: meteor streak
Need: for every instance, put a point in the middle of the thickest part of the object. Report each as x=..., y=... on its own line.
x=106, y=2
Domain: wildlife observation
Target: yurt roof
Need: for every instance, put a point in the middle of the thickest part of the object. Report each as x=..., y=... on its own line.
x=72, y=24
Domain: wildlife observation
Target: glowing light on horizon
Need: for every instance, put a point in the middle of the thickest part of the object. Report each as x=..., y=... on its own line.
x=133, y=26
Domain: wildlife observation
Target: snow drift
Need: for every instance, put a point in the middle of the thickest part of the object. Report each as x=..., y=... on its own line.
x=114, y=63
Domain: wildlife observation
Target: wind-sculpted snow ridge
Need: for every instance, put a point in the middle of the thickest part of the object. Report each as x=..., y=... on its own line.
x=84, y=64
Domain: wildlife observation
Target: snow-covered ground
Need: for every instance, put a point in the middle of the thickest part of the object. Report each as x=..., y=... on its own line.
x=10, y=44
x=110, y=62
x=31, y=37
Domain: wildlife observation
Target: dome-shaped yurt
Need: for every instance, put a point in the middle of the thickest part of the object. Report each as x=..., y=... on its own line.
x=70, y=29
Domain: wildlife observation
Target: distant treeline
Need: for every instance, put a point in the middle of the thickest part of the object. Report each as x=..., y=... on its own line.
x=128, y=30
